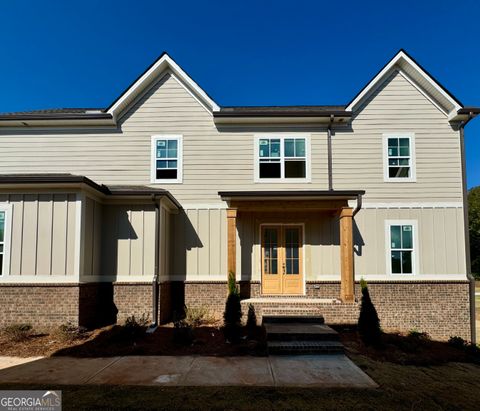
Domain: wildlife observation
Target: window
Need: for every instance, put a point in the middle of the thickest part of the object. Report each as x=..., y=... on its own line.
x=399, y=157
x=280, y=158
x=166, y=159
x=401, y=253
x=2, y=240
x=4, y=237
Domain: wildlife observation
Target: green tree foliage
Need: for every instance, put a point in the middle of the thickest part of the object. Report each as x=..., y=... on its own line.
x=368, y=321
x=474, y=228
x=233, y=312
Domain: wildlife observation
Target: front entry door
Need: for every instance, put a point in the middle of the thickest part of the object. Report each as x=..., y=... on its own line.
x=282, y=259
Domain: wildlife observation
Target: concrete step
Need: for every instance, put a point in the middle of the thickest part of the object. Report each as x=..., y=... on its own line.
x=297, y=331
x=304, y=347
x=311, y=318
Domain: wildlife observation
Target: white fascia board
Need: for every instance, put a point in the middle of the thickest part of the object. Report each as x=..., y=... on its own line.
x=163, y=64
x=397, y=60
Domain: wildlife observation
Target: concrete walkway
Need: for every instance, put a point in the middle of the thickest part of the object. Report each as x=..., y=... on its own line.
x=275, y=371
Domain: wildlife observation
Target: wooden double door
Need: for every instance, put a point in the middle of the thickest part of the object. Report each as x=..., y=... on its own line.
x=282, y=259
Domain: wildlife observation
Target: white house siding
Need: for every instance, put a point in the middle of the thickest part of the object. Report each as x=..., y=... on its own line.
x=42, y=234
x=216, y=159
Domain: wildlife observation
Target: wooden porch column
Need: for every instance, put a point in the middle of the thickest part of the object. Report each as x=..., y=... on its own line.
x=347, y=290
x=232, y=240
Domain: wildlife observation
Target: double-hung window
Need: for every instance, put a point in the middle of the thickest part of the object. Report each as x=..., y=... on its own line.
x=166, y=159
x=399, y=159
x=4, y=238
x=401, y=236
x=282, y=157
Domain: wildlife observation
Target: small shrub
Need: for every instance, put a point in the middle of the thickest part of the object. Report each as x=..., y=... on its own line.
x=69, y=332
x=457, y=342
x=233, y=311
x=18, y=332
x=182, y=331
x=418, y=335
x=135, y=327
x=251, y=320
x=197, y=316
x=368, y=321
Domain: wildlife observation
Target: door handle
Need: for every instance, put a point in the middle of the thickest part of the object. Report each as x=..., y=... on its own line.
x=283, y=267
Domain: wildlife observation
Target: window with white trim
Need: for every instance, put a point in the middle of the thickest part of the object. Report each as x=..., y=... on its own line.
x=2, y=240
x=166, y=159
x=402, y=248
x=282, y=158
x=399, y=160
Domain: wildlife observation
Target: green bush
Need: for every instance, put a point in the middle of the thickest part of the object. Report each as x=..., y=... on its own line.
x=18, y=332
x=182, y=331
x=233, y=312
x=368, y=321
x=69, y=332
x=135, y=327
x=457, y=342
x=418, y=335
x=251, y=320
x=197, y=316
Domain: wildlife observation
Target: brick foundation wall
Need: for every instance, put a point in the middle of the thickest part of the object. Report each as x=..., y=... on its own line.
x=439, y=308
x=41, y=305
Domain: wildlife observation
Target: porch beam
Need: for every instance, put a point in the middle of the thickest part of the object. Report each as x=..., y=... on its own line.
x=232, y=240
x=347, y=291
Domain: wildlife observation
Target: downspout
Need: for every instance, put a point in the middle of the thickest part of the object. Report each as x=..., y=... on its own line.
x=466, y=230
x=359, y=205
x=154, y=324
x=329, y=150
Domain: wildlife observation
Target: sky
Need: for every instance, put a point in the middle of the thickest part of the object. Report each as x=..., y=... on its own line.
x=84, y=54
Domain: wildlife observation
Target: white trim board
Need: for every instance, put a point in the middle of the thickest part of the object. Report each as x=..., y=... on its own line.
x=406, y=205
x=7, y=237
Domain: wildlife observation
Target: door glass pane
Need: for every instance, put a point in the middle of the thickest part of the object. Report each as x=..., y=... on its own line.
x=292, y=247
x=270, y=244
x=395, y=236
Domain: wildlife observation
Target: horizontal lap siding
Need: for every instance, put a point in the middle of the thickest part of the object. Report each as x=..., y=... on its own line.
x=222, y=159
x=42, y=234
x=397, y=106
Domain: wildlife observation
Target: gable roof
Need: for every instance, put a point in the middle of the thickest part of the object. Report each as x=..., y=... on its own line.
x=416, y=75
x=401, y=62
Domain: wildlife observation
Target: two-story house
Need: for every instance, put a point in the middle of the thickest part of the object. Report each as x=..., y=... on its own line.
x=148, y=204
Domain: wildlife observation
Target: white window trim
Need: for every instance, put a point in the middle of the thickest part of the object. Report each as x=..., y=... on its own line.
x=282, y=137
x=7, y=208
x=413, y=172
x=153, y=166
x=388, y=247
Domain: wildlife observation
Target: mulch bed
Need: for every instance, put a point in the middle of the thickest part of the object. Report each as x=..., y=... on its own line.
x=115, y=341
x=405, y=350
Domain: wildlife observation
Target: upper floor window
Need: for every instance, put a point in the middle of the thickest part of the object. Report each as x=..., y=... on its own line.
x=401, y=237
x=399, y=159
x=280, y=158
x=166, y=159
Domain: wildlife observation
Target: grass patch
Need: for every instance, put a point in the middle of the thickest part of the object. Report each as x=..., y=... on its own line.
x=450, y=386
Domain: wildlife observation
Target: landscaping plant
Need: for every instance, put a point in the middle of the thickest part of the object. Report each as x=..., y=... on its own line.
x=251, y=321
x=368, y=321
x=233, y=311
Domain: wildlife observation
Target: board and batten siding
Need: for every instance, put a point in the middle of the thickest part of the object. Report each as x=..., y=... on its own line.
x=199, y=252
x=42, y=234
x=222, y=158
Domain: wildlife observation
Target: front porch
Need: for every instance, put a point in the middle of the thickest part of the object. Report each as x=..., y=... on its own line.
x=282, y=247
